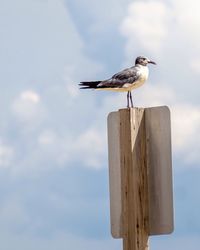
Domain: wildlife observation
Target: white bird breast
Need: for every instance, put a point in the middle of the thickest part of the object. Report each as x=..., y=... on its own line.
x=144, y=73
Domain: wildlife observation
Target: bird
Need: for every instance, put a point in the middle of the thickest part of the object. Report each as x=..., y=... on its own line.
x=125, y=80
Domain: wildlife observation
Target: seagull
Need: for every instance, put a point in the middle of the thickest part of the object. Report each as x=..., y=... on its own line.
x=125, y=80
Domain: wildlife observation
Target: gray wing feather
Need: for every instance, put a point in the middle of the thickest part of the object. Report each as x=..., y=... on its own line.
x=129, y=75
x=124, y=74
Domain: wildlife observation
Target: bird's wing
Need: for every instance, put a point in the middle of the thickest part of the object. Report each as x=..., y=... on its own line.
x=125, y=74
x=129, y=75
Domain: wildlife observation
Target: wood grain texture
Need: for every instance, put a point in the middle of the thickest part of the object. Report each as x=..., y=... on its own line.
x=133, y=179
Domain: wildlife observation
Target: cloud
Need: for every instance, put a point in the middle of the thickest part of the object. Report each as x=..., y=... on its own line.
x=27, y=107
x=147, y=24
x=187, y=18
x=63, y=150
x=47, y=137
x=63, y=122
x=195, y=65
x=73, y=74
x=54, y=136
x=168, y=31
x=185, y=127
x=91, y=147
x=6, y=155
x=95, y=16
x=30, y=96
x=43, y=119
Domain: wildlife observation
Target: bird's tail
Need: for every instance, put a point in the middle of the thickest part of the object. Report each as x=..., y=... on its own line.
x=89, y=85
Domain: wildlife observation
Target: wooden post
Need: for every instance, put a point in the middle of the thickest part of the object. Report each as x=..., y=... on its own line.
x=140, y=174
x=134, y=179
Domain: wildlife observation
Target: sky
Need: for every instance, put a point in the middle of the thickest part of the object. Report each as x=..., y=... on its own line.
x=53, y=137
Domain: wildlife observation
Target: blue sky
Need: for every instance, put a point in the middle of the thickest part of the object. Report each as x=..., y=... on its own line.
x=53, y=143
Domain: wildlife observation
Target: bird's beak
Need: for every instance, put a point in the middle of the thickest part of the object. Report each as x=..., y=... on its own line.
x=151, y=62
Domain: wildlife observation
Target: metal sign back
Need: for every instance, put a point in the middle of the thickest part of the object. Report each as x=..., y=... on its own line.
x=159, y=165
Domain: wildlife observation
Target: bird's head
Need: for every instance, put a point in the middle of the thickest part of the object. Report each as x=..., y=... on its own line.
x=142, y=60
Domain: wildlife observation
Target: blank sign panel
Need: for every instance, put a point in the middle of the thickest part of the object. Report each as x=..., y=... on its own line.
x=159, y=167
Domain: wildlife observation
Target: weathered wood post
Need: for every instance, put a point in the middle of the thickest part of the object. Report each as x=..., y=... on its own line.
x=139, y=142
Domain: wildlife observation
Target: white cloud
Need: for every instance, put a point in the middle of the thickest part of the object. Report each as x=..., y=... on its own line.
x=73, y=74
x=47, y=137
x=26, y=106
x=30, y=96
x=44, y=118
x=186, y=14
x=146, y=24
x=185, y=127
x=167, y=29
x=72, y=90
x=100, y=19
x=154, y=95
x=151, y=32
x=195, y=65
x=75, y=134
x=6, y=155
x=169, y=32
x=90, y=146
x=86, y=148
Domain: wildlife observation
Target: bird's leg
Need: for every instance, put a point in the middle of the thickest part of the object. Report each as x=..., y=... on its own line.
x=128, y=99
x=131, y=99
